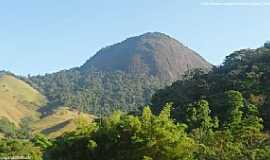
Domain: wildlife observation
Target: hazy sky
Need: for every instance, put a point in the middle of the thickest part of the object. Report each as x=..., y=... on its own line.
x=40, y=36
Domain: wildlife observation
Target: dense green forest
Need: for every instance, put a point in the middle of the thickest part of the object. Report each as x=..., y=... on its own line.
x=97, y=91
x=246, y=71
x=220, y=115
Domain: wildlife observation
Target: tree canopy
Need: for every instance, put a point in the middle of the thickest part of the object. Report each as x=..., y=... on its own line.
x=246, y=71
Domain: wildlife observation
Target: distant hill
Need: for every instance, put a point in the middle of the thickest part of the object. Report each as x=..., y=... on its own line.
x=123, y=76
x=18, y=99
x=155, y=54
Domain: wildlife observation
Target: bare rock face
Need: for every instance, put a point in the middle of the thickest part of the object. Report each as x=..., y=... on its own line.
x=154, y=54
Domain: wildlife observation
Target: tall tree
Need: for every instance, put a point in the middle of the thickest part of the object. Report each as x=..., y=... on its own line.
x=198, y=116
x=234, y=104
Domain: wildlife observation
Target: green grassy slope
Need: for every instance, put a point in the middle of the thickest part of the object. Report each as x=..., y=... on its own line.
x=18, y=99
x=60, y=121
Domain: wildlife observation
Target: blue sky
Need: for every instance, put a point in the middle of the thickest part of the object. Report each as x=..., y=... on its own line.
x=38, y=37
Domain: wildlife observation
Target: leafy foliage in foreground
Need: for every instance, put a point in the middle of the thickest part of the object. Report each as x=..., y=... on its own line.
x=19, y=149
x=157, y=137
x=152, y=137
x=124, y=137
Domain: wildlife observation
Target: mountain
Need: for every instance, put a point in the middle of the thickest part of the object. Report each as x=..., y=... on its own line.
x=155, y=54
x=123, y=76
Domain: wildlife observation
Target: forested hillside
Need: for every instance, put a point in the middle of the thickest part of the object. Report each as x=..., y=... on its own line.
x=246, y=71
x=98, y=92
x=122, y=76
